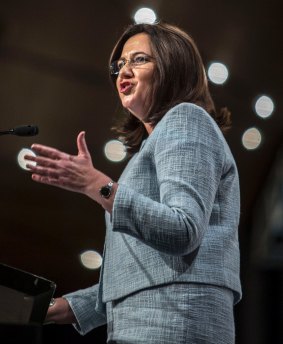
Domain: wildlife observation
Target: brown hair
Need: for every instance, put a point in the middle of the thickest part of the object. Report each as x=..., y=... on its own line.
x=179, y=77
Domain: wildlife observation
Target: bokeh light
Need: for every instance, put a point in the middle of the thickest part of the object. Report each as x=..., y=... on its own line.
x=114, y=150
x=91, y=259
x=251, y=138
x=21, y=160
x=145, y=15
x=217, y=73
x=264, y=106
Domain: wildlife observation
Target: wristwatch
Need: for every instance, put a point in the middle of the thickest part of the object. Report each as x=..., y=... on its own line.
x=106, y=190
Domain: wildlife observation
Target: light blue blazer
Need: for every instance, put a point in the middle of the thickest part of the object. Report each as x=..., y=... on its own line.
x=175, y=216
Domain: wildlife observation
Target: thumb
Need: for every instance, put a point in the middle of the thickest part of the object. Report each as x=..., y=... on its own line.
x=81, y=144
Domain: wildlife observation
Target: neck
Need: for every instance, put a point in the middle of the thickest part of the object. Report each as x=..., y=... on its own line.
x=148, y=128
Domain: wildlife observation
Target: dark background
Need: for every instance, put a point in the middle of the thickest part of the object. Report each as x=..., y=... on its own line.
x=54, y=73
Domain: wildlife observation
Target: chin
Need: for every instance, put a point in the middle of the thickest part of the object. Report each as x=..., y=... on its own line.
x=134, y=109
x=127, y=103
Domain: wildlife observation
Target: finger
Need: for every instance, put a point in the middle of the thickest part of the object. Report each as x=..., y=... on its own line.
x=50, y=322
x=49, y=152
x=81, y=143
x=61, y=182
x=44, y=179
x=44, y=162
x=43, y=172
x=52, y=180
x=29, y=157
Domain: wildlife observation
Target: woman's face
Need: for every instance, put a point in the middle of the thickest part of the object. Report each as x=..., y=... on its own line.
x=134, y=82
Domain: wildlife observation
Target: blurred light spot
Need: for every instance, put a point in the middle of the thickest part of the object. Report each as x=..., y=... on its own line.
x=115, y=151
x=91, y=259
x=145, y=15
x=21, y=160
x=251, y=138
x=218, y=73
x=264, y=106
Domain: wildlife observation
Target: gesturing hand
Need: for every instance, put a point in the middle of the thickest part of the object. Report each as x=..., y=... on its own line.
x=70, y=172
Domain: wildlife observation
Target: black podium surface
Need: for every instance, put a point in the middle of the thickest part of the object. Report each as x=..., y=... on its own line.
x=24, y=301
x=18, y=334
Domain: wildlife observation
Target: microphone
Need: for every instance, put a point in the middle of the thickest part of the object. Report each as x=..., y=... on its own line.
x=23, y=130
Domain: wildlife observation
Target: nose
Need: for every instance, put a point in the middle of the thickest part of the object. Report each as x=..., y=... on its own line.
x=126, y=70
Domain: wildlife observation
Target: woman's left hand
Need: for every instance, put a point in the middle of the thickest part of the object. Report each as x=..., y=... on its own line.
x=71, y=172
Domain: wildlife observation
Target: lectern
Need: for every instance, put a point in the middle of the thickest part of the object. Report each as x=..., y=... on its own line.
x=24, y=301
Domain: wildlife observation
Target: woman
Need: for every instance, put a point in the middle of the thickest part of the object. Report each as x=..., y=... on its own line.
x=170, y=271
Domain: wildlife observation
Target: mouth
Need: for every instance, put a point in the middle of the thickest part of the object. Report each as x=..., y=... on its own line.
x=125, y=87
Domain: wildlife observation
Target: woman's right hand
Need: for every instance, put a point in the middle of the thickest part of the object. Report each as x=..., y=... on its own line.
x=60, y=313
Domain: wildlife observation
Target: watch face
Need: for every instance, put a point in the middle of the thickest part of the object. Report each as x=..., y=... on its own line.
x=105, y=191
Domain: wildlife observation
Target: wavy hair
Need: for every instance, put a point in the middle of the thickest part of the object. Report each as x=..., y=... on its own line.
x=179, y=77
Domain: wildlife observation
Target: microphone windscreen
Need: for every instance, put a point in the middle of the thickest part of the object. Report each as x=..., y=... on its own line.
x=26, y=130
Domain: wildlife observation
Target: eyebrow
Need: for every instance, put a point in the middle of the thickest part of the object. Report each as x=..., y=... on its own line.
x=133, y=54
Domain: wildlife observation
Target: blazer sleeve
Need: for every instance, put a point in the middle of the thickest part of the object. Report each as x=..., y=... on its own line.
x=83, y=304
x=189, y=157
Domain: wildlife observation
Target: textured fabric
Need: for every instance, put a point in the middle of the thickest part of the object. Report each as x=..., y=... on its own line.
x=175, y=215
x=173, y=314
x=83, y=303
x=176, y=211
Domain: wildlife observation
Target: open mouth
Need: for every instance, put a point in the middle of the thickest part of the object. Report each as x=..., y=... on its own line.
x=125, y=87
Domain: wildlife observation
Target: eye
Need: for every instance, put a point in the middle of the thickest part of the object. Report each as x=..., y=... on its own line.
x=140, y=59
x=121, y=64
